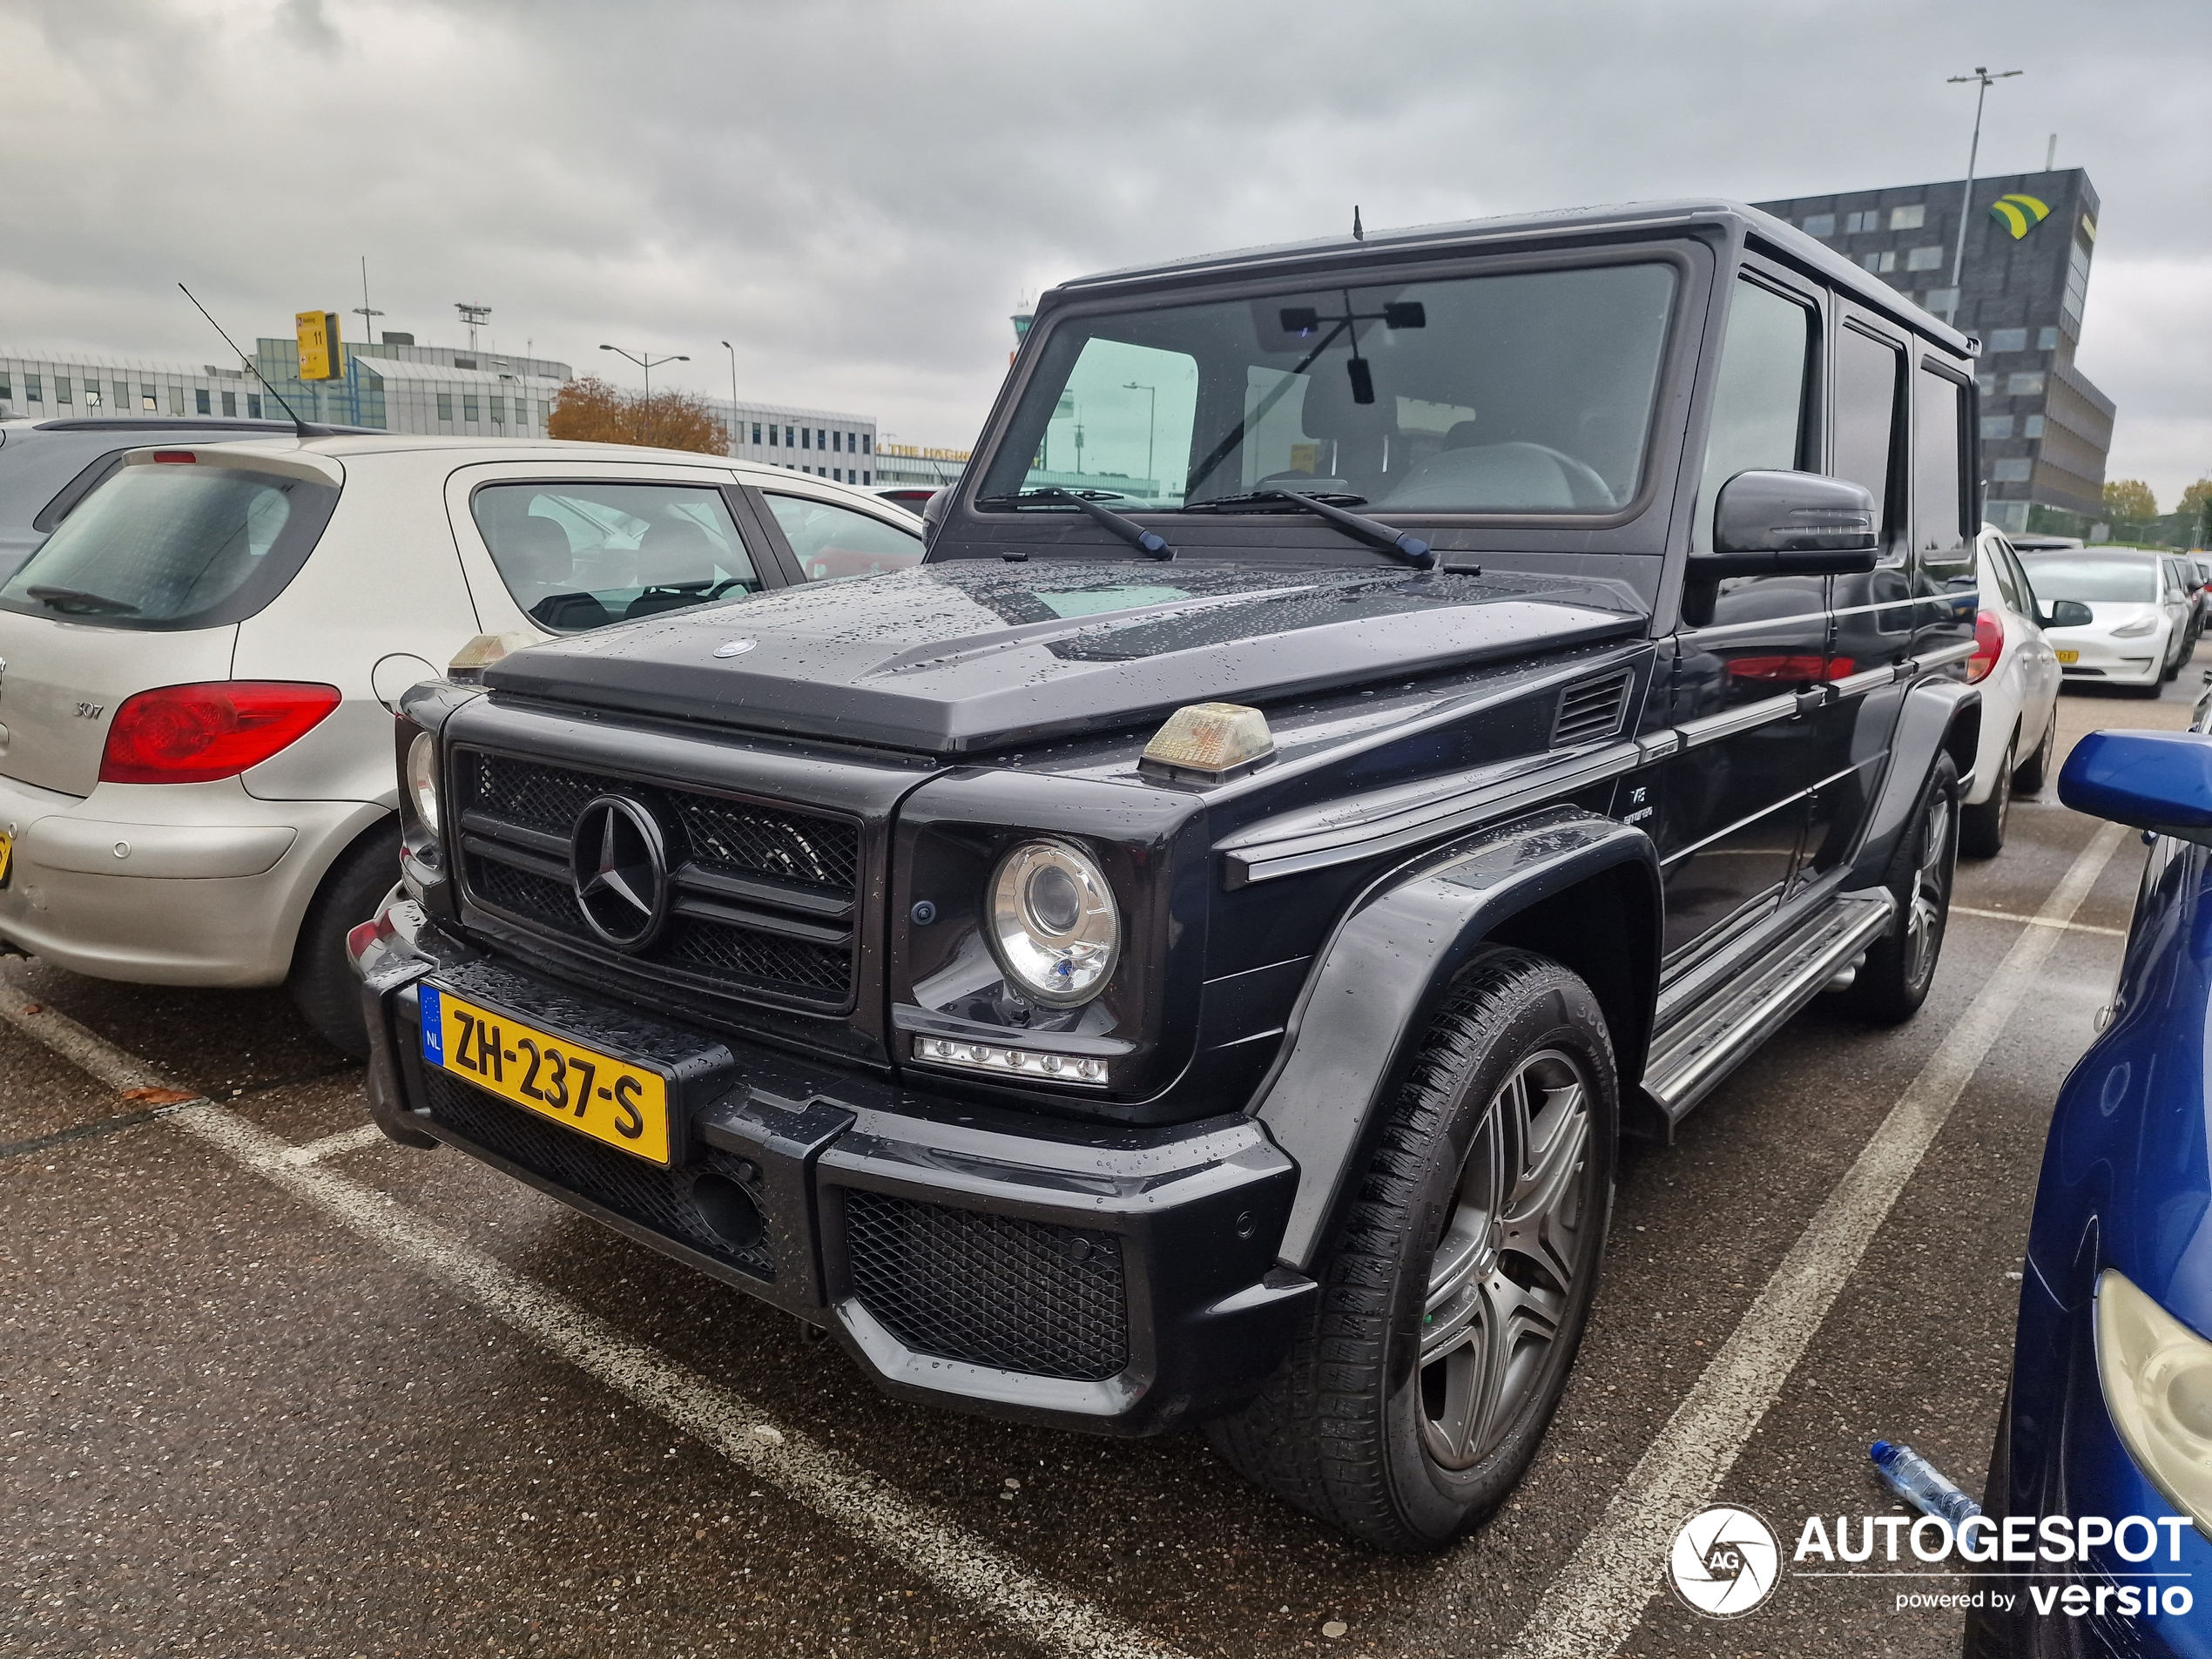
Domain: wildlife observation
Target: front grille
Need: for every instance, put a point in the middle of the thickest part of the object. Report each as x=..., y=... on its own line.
x=666, y=1202
x=1591, y=711
x=989, y=1289
x=764, y=893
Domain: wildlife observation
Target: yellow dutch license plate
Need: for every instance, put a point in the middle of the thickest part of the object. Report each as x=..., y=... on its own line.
x=580, y=1089
x=7, y=849
x=2069, y=655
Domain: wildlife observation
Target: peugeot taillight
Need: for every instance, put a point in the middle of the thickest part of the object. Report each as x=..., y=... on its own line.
x=1989, y=645
x=191, y=734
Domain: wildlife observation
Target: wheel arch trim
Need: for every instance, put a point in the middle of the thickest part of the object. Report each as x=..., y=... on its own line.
x=1374, y=988
x=1939, y=716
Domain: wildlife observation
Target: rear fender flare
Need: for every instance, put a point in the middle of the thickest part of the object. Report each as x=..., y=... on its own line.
x=1938, y=716
x=1365, y=1007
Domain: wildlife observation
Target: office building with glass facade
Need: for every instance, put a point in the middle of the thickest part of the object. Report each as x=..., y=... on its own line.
x=2020, y=289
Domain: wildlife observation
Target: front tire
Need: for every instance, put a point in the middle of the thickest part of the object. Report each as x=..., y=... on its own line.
x=2029, y=780
x=1900, y=968
x=1456, y=1291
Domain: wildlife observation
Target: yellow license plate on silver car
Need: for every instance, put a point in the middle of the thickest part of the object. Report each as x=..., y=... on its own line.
x=2069, y=655
x=7, y=851
x=578, y=1088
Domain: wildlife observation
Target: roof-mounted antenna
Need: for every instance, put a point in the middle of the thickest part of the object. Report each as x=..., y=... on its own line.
x=1358, y=234
x=299, y=427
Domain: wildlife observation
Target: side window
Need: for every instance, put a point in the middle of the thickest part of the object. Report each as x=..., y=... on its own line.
x=1759, y=399
x=832, y=541
x=580, y=556
x=1999, y=569
x=1868, y=373
x=1938, y=470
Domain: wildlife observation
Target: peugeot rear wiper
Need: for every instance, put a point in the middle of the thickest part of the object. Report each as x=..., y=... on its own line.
x=1411, y=548
x=63, y=599
x=1087, y=500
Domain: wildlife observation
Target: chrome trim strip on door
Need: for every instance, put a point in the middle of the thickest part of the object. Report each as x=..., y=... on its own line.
x=1711, y=728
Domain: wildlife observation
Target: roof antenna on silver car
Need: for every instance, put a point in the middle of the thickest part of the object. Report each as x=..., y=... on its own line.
x=300, y=429
x=1358, y=234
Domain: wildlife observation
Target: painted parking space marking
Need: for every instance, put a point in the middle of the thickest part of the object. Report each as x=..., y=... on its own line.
x=932, y=1545
x=2038, y=921
x=331, y=1146
x=1599, y=1595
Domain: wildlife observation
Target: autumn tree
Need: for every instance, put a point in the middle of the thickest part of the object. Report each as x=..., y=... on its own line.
x=2130, y=499
x=2197, y=511
x=595, y=411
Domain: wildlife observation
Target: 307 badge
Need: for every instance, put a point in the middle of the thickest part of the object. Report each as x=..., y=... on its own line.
x=580, y=1088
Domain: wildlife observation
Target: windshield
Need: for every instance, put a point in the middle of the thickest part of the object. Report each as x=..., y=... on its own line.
x=1525, y=393
x=173, y=546
x=2114, y=581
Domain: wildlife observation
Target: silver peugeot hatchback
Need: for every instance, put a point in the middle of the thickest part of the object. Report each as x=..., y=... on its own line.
x=198, y=669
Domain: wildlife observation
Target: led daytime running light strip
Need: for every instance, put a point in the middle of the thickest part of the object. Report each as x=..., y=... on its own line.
x=984, y=1056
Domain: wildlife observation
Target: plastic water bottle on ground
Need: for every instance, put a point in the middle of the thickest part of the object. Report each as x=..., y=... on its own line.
x=1915, y=1480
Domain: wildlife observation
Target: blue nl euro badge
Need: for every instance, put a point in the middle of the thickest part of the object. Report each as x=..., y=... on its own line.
x=433, y=1025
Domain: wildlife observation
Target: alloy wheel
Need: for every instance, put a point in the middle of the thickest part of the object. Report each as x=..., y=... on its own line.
x=1931, y=891
x=1503, y=1270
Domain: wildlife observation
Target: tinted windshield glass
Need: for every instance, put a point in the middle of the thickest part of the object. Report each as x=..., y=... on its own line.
x=173, y=546
x=580, y=556
x=2115, y=581
x=1524, y=393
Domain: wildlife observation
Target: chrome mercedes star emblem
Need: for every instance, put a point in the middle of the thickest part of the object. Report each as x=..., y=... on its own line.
x=735, y=647
x=618, y=865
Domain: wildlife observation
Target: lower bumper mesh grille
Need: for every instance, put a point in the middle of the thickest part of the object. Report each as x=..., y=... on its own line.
x=662, y=1200
x=990, y=1290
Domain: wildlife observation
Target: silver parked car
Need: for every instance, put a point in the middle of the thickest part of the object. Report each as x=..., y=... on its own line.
x=197, y=668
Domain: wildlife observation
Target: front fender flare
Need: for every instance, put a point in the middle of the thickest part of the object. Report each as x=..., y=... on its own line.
x=1377, y=985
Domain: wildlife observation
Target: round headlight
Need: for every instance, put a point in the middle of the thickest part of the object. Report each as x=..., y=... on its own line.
x=423, y=778
x=1053, y=924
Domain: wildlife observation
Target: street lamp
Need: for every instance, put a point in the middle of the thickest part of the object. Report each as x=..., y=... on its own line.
x=1151, y=412
x=647, y=362
x=732, y=350
x=1983, y=81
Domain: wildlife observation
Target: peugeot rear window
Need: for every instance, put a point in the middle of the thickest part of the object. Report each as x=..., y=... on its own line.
x=166, y=547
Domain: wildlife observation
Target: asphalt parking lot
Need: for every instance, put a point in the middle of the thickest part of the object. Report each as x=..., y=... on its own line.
x=273, y=1386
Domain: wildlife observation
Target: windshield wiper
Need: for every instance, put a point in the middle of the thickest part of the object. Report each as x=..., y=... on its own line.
x=1128, y=528
x=99, y=603
x=1411, y=548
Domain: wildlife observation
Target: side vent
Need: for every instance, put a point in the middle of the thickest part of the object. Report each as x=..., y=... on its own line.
x=1591, y=711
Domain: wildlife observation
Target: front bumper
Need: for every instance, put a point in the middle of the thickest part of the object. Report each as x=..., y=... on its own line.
x=2113, y=662
x=1094, y=1276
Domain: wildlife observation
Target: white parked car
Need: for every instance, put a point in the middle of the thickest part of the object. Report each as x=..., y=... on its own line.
x=197, y=778
x=2139, y=614
x=2018, y=672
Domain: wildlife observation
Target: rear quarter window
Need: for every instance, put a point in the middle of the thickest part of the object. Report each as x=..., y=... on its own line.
x=168, y=547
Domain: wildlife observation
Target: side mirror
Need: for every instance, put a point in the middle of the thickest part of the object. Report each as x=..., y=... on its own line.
x=2066, y=613
x=933, y=515
x=2153, y=781
x=1790, y=523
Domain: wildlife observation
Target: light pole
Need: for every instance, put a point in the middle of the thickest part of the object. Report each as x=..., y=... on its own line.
x=647, y=362
x=1983, y=81
x=732, y=350
x=1151, y=412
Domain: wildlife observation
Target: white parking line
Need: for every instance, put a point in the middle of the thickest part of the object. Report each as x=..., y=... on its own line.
x=956, y=1561
x=1597, y=1598
x=2038, y=921
x=331, y=1146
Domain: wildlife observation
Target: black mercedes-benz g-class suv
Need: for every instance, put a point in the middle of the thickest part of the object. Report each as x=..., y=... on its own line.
x=1377, y=722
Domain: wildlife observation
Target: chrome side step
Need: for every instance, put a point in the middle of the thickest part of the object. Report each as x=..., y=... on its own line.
x=1689, y=1061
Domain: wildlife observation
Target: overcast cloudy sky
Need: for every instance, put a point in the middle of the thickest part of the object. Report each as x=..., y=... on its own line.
x=856, y=195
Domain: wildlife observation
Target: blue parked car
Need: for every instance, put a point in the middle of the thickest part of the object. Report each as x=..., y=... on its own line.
x=2109, y=1414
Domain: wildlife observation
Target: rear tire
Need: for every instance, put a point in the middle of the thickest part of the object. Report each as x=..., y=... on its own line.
x=1456, y=1291
x=2030, y=778
x=1900, y=968
x=321, y=981
x=1981, y=829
